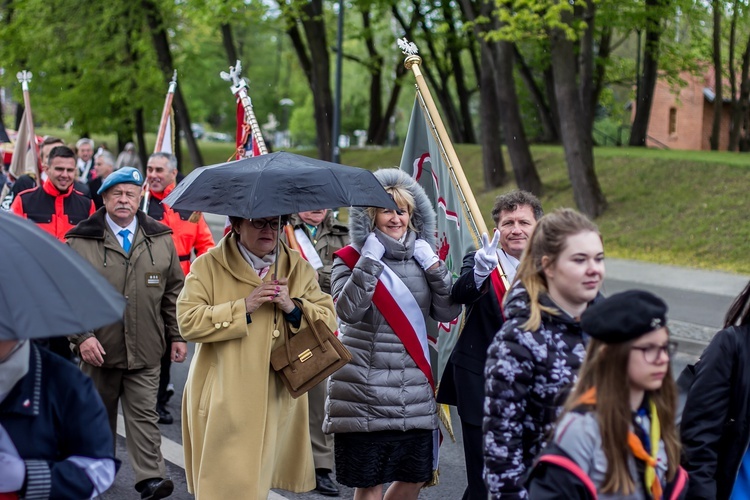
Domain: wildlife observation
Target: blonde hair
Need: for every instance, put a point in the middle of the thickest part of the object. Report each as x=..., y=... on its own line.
x=549, y=239
x=402, y=197
x=603, y=368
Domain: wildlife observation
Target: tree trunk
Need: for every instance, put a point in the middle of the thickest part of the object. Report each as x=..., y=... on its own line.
x=740, y=109
x=140, y=137
x=178, y=145
x=718, y=98
x=375, y=68
x=381, y=134
x=164, y=57
x=498, y=57
x=227, y=39
x=440, y=86
x=586, y=68
x=454, y=52
x=19, y=115
x=493, y=164
x=639, y=130
x=549, y=89
x=576, y=142
x=526, y=175
x=550, y=132
x=316, y=66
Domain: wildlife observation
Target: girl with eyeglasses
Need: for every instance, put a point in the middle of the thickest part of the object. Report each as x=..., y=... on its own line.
x=715, y=425
x=617, y=436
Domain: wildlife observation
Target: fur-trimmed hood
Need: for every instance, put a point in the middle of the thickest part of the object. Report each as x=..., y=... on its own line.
x=423, y=219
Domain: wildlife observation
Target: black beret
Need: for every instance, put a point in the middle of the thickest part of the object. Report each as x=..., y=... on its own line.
x=624, y=316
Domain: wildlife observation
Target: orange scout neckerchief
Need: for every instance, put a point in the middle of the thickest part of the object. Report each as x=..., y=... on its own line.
x=636, y=447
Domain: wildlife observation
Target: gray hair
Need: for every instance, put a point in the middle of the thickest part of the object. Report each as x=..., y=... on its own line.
x=108, y=158
x=509, y=202
x=84, y=140
x=172, y=159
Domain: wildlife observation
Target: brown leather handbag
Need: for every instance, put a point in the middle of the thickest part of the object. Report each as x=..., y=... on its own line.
x=308, y=357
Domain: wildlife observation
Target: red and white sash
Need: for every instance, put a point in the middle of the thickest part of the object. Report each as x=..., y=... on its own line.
x=307, y=249
x=400, y=310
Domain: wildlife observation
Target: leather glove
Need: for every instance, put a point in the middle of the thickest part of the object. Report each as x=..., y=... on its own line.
x=424, y=254
x=373, y=248
x=485, y=259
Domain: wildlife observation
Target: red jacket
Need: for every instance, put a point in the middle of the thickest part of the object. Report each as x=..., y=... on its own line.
x=187, y=235
x=55, y=212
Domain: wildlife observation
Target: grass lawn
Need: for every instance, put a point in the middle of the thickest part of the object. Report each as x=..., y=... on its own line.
x=670, y=207
x=686, y=208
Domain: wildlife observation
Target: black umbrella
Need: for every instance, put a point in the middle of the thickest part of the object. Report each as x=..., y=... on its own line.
x=277, y=184
x=46, y=288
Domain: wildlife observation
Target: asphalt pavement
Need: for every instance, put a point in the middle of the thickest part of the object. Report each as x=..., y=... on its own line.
x=697, y=301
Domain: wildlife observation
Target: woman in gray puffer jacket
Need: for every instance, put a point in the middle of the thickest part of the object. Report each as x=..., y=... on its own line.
x=386, y=284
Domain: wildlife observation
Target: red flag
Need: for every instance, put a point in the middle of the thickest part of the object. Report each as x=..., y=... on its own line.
x=247, y=145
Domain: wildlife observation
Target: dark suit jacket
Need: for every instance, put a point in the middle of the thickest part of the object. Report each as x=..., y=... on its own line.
x=462, y=384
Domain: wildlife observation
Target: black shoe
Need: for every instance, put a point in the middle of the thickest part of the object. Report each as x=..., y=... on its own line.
x=164, y=416
x=325, y=486
x=154, y=489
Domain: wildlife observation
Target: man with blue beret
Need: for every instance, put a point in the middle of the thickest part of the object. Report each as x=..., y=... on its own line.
x=137, y=255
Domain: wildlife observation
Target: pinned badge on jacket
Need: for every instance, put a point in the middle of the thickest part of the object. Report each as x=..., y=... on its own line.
x=153, y=279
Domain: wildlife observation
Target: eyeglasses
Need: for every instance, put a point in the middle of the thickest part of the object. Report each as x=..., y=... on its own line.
x=261, y=223
x=653, y=352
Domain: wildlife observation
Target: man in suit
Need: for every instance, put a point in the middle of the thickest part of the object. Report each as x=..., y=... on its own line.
x=85, y=163
x=515, y=215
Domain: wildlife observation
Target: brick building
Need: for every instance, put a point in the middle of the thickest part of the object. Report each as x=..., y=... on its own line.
x=682, y=120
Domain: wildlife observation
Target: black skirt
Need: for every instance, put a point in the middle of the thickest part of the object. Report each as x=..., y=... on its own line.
x=366, y=459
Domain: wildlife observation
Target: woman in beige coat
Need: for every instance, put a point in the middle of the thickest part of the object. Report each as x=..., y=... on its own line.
x=243, y=434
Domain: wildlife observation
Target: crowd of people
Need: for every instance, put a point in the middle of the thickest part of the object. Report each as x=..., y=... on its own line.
x=561, y=392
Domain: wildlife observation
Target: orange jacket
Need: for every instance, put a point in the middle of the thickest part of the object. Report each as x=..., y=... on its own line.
x=55, y=212
x=187, y=235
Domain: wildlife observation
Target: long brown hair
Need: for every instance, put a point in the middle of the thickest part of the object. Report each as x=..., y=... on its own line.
x=604, y=368
x=739, y=311
x=548, y=240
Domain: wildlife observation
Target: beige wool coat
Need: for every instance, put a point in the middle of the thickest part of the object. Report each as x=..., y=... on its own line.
x=243, y=434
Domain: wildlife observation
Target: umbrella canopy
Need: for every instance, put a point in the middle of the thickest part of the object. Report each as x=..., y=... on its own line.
x=46, y=288
x=277, y=184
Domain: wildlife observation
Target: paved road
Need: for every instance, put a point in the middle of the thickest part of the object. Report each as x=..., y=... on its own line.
x=697, y=301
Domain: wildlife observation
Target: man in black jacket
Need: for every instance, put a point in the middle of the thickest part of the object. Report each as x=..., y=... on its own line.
x=515, y=215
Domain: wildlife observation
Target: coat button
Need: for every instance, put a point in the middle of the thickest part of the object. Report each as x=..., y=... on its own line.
x=217, y=325
x=225, y=324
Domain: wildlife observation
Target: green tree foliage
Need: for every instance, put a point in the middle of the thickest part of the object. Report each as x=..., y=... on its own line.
x=93, y=71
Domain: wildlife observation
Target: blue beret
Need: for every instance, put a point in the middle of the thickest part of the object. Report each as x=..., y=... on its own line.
x=624, y=316
x=126, y=175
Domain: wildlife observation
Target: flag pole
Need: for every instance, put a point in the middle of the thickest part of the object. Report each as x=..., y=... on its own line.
x=239, y=88
x=24, y=77
x=468, y=202
x=166, y=115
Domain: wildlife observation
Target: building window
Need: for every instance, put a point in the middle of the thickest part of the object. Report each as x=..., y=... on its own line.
x=672, y=121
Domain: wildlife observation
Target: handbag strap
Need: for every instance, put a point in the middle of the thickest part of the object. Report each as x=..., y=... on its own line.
x=310, y=324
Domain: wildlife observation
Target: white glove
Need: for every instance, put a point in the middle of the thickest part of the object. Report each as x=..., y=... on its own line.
x=12, y=472
x=485, y=259
x=373, y=248
x=424, y=254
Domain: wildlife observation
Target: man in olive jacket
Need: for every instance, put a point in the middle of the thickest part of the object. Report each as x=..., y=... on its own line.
x=319, y=235
x=137, y=256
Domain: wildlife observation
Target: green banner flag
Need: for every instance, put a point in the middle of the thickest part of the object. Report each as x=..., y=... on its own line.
x=422, y=160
